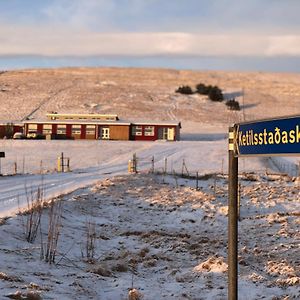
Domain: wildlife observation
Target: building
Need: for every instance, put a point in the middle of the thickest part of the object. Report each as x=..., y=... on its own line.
x=79, y=129
x=9, y=128
x=99, y=127
x=151, y=131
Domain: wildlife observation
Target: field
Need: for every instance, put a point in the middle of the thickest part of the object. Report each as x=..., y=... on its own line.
x=152, y=234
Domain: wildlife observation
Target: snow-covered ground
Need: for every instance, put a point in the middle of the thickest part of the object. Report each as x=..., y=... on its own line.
x=36, y=162
x=162, y=237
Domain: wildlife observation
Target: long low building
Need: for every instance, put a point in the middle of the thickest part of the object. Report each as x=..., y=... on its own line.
x=103, y=130
x=96, y=126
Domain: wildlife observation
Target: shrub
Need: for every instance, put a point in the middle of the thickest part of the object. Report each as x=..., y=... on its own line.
x=203, y=89
x=233, y=104
x=185, y=89
x=215, y=94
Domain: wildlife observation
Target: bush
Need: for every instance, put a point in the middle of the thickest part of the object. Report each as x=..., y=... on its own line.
x=215, y=94
x=202, y=89
x=233, y=104
x=185, y=89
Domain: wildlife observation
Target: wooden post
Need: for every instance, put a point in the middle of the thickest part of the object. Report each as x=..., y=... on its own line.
x=152, y=164
x=232, y=220
x=15, y=168
x=215, y=185
x=68, y=164
x=134, y=163
x=197, y=178
x=58, y=164
x=175, y=178
x=166, y=164
x=222, y=169
x=62, y=162
x=23, y=165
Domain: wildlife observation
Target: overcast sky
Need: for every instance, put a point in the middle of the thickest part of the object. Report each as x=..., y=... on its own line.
x=135, y=29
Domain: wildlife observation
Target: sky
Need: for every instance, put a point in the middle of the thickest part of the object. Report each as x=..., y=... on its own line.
x=261, y=35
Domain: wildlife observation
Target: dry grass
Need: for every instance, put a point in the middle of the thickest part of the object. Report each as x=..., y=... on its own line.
x=134, y=294
x=49, y=248
x=89, y=248
x=31, y=295
x=33, y=213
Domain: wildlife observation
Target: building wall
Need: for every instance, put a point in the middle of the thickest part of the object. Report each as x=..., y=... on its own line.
x=119, y=132
x=157, y=133
x=2, y=131
x=116, y=132
x=14, y=129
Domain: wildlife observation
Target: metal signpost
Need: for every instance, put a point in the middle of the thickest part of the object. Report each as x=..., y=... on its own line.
x=2, y=154
x=272, y=137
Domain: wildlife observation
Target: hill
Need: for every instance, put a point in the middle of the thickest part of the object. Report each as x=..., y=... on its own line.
x=147, y=94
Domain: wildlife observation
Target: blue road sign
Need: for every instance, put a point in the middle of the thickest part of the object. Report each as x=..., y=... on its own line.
x=270, y=137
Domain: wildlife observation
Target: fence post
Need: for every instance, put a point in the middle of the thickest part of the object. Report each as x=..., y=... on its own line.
x=175, y=178
x=23, y=165
x=166, y=164
x=239, y=201
x=68, y=164
x=152, y=163
x=197, y=178
x=15, y=168
x=62, y=162
x=58, y=164
x=134, y=161
x=215, y=184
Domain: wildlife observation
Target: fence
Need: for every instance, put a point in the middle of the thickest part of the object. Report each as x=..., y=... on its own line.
x=165, y=167
x=19, y=167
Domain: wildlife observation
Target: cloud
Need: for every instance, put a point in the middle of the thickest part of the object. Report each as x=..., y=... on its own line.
x=56, y=41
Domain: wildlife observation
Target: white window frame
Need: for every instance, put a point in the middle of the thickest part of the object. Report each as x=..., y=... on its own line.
x=76, y=129
x=90, y=130
x=137, y=130
x=149, y=130
x=61, y=129
x=32, y=127
x=47, y=128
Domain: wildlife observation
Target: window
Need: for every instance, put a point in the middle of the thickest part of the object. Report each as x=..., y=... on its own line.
x=105, y=133
x=47, y=129
x=165, y=133
x=76, y=129
x=90, y=129
x=32, y=127
x=149, y=130
x=137, y=130
x=61, y=129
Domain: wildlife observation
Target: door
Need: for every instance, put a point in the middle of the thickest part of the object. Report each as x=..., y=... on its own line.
x=170, y=134
x=105, y=133
x=163, y=133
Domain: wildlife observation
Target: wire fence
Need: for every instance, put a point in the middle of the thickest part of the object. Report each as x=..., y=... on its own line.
x=180, y=169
